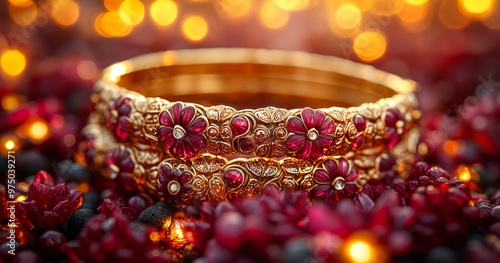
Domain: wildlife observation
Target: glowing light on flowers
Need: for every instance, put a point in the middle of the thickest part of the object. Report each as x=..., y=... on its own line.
x=164, y=12
x=13, y=62
x=348, y=16
x=273, y=16
x=131, y=12
x=21, y=198
x=23, y=12
x=195, y=28
x=360, y=251
x=464, y=173
x=370, y=45
x=65, y=12
x=291, y=4
x=476, y=7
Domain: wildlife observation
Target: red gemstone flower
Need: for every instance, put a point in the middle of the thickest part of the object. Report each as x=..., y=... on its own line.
x=336, y=181
x=174, y=184
x=181, y=131
x=47, y=206
x=395, y=121
x=121, y=167
x=119, y=121
x=310, y=133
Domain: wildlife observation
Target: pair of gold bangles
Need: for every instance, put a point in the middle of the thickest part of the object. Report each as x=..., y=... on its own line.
x=184, y=152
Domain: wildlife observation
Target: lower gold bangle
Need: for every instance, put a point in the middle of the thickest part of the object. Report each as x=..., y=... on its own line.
x=213, y=178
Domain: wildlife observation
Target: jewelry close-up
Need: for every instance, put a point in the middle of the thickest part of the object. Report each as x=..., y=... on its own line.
x=179, y=124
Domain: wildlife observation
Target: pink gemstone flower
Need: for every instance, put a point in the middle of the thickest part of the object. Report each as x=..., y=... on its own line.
x=395, y=121
x=310, y=133
x=336, y=181
x=121, y=167
x=119, y=121
x=174, y=185
x=181, y=130
x=48, y=206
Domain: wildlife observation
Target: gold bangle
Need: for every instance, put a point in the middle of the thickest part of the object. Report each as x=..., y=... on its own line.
x=378, y=112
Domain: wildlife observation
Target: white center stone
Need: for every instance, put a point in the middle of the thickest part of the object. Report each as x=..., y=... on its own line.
x=339, y=184
x=174, y=187
x=178, y=132
x=312, y=134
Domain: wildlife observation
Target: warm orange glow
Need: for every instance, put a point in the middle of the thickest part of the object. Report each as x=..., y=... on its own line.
x=164, y=12
x=413, y=13
x=23, y=13
x=113, y=5
x=69, y=140
x=131, y=12
x=116, y=71
x=155, y=237
x=235, y=8
x=464, y=173
x=13, y=62
x=168, y=58
x=452, y=147
x=20, y=2
x=38, y=130
x=195, y=28
x=348, y=16
x=363, y=5
x=360, y=251
x=387, y=8
x=476, y=7
x=416, y=2
x=370, y=45
x=110, y=24
x=11, y=101
x=178, y=232
x=273, y=16
x=21, y=198
x=291, y=4
x=86, y=69
x=9, y=145
x=451, y=16
x=65, y=12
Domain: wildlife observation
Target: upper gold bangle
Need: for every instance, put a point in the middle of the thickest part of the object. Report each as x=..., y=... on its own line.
x=371, y=108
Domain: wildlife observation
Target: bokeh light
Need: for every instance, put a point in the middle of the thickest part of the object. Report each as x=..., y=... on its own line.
x=23, y=12
x=11, y=102
x=387, y=8
x=291, y=4
x=195, y=28
x=13, y=62
x=86, y=69
x=360, y=252
x=348, y=16
x=451, y=16
x=273, y=16
x=476, y=7
x=9, y=145
x=131, y=12
x=113, y=5
x=416, y=2
x=370, y=45
x=110, y=24
x=164, y=12
x=363, y=5
x=65, y=12
x=235, y=8
x=416, y=17
x=464, y=173
x=38, y=130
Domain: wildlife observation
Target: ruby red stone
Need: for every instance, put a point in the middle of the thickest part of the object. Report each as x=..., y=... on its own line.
x=357, y=142
x=245, y=145
x=386, y=164
x=233, y=177
x=239, y=125
x=359, y=123
x=391, y=138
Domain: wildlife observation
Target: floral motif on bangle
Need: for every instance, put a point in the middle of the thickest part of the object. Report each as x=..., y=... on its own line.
x=395, y=122
x=119, y=121
x=310, y=133
x=121, y=168
x=181, y=130
x=174, y=184
x=335, y=182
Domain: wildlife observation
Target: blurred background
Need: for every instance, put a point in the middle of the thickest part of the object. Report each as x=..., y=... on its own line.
x=52, y=50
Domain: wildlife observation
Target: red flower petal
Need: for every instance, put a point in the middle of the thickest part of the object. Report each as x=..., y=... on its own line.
x=166, y=170
x=350, y=189
x=38, y=192
x=187, y=115
x=166, y=135
x=321, y=191
x=326, y=141
x=198, y=126
x=305, y=151
x=63, y=211
x=319, y=118
x=166, y=119
x=335, y=197
x=322, y=177
x=197, y=141
x=343, y=167
x=317, y=150
x=34, y=212
x=353, y=175
x=176, y=112
x=57, y=194
x=42, y=177
x=22, y=215
x=295, y=141
x=124, y=109
x=50, y=220
x=332, y=168
x=178, y=149
x=296, y=125
x=185, y=177
x=327, y=127
x=308, y=118
x=189, y=150
x=391, y=138
x=126, y=164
